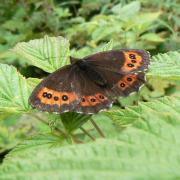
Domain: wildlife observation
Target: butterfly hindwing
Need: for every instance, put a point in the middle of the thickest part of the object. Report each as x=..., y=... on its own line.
x=92, y=97
x=128, y=83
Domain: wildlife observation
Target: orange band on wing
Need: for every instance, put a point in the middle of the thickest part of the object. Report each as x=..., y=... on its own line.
x=52, y=97
x=127, y=81
x=93, y=100
x=133, y=61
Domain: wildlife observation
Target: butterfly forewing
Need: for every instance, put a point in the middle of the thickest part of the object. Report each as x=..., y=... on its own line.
x=121, y=61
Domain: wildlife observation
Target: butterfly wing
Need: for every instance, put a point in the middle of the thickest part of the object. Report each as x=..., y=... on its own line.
x=93, y=97
x=123, y=69
x=55, y=93
x=123, y=61
x=69, y=89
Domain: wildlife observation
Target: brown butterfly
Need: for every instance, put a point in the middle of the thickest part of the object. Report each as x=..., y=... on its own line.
x=90, y=84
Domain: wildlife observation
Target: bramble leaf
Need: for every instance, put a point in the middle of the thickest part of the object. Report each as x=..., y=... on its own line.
x=166, y=65
x=14, y=92
x=49, y=53
x=148, y=148
x=126, y=12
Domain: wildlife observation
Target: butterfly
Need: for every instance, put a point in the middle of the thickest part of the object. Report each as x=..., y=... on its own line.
x=91, y=84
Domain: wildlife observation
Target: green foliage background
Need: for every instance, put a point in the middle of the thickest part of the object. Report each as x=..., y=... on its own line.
x=142, y=131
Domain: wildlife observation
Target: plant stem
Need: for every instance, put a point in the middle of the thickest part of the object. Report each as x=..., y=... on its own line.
x=97, y=128
x=43, y=121
x=56, y=129
x=77, y=140
x=88, y=134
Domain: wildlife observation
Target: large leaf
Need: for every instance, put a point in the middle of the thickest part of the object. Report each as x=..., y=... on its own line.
x=14, y=128
x=164, y=108
x=152, y=37
x=14, y=91
x=126, y=11
x=149, y=149
x=49, y=53
x=8, y=140
x=166, y=65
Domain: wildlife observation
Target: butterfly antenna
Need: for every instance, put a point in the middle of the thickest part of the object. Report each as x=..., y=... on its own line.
x=97, y=128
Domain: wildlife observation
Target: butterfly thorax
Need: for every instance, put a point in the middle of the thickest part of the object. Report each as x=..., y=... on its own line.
x=89, y=71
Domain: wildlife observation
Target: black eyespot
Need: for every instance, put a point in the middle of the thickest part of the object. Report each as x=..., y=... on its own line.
x=132, y=56
x=56, y=98
x=83, y=100
x=64, y=97
x=130, y=65
x=129, y=79
x=133, y=61
x=101, y=96
x=49, y=95
x=93, y=100
x=122, y=85
x=44, y=94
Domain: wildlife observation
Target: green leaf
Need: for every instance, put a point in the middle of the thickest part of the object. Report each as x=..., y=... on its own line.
x=49, y=53
x=149, y=149
x=80, y=53
x=8, y=140
x=142, y=22
x=102, y=32
x=152, y=37
x=15, y=128
x=72, y=120
x=128, y=10
x=148, y=17
x=106, y=47
x=165, y=66
x=41, y=140
x=14, y=92
x=163, y=108
x=32, y=82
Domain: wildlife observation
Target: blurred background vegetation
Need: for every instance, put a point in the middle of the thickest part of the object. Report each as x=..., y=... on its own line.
x=88, y=24
x=151, y=25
